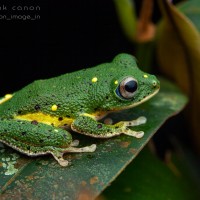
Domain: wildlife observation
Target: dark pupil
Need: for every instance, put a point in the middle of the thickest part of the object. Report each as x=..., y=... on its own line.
x=131, y=86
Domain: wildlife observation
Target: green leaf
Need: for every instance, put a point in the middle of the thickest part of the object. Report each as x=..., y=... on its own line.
x=149, y=178
x=191, y=10
x=178, y=53
x=127, y=16
x=22, y=177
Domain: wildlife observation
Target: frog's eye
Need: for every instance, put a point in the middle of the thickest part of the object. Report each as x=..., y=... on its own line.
x=127, y=88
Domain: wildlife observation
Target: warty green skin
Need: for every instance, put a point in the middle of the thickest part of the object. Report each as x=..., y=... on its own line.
x=75, y=94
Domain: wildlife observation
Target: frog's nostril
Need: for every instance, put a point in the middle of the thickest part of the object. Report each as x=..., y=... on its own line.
x=155, y=84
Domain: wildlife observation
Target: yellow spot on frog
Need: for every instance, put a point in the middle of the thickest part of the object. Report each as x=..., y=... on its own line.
x=6, y=98
x=54, y=107
x=116, y=82
x=46, y=119
x=94, y=80
x=145, y=76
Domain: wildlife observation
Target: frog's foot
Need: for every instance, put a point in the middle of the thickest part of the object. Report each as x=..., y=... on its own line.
x=137, y=134
x=137, y=122
x=59, y=155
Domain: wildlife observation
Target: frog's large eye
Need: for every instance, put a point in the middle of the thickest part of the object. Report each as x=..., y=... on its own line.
x=127, y=88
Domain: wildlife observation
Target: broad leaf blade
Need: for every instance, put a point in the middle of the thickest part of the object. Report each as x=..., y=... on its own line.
x=178, y=53
x=149, y=178
x=89, y=174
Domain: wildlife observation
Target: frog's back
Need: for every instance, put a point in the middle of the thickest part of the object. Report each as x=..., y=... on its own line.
x=72, y=93
x=67, y=89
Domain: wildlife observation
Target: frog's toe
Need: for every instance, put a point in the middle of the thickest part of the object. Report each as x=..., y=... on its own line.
x=61, y=160
x=137, y=122
x=75, y=143
x=85, y=149
x=137, y=134
x=90, y=148
x=142, y=120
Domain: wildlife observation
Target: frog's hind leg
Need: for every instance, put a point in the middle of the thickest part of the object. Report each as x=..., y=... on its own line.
x=58, y=154
x=34, y=139
x=55, y=151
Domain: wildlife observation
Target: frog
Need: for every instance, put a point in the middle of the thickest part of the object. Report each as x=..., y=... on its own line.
x=40, y=118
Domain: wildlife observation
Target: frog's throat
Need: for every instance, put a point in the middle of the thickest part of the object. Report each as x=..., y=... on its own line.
x=138, y=103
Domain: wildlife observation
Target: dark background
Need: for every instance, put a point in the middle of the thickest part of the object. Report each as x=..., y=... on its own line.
x=68, y=35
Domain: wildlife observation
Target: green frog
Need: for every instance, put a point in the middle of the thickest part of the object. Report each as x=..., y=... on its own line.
x=36, y=119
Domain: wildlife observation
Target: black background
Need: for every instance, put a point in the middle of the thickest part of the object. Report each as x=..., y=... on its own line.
x=69, y=35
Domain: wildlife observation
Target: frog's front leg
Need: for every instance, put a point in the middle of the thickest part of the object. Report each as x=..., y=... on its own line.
x=86, y=125
x=33, y=138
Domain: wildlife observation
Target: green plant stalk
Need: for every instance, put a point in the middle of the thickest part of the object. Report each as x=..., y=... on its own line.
x=126, y=13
